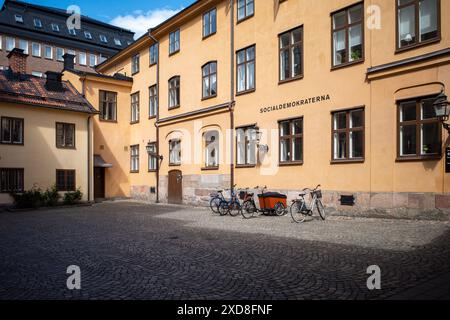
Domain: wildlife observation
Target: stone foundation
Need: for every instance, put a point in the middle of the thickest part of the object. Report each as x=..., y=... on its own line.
x=423, y=206
x=143, y=193
x=196, y=188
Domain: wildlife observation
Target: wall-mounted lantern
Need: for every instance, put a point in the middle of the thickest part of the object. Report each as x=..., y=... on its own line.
x=442, y=111
x=151, y=150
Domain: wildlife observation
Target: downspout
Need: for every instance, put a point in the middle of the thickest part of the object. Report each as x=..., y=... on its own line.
x=232, y=101
x=157, y=116
x=89, y=157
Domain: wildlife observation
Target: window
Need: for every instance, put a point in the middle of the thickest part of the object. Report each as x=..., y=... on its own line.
x=37, y=74
x=11, y=180
x=348, y=35
x=82, y=58
x=108, y=106
x=153, y=101
x=152, y=157
x=87, y=35
x=174, y=42
x=36, y=49
x=59, y=54
x=246, y=70
x=418, y=21
x=419, y=131
x=72, y=31
x=103, y=38
x=65, y=135
x=209, y=80
x=48, y=52
x=246, y=146
x=135, y=107
x=92, y=60
x=12, y=130
x=291, y=141
x=101, y=59
x=211, y=149
x=1, y=42
x=134, y=158
x=245, y=9
x=10, y=43
x=65, y=180
x=72, y=52
x=135, y=64
x=37, y=23
x=348, y=135
x=174, y=92
x=117, y=42
x=209, y=23
x=175, y=152
x=291, y=54
x=23, y=44
x=18, y=18
x=154, y=54
x=55, y=27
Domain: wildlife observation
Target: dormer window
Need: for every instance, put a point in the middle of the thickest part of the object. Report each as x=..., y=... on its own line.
x=72, y=32
x=117, y=42
x=88, y=35
x=103, y=38
x=37, y=23
x=18, y=18
x=55, y=27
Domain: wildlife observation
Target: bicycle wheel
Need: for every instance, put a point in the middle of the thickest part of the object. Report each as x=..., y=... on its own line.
x=248, y=209
x=235, y=209
x=279, y=209
x=296, y=212
x=223, y=208
x=321, y=209
x=214, y=205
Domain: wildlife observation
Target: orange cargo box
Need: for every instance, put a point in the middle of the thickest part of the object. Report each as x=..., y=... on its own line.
x=268, y=200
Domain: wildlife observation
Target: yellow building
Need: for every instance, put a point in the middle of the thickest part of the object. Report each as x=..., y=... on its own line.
x=288, y=94
x=46, y=133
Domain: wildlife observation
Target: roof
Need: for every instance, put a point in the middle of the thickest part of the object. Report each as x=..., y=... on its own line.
x=117, y=76
x=49, y=15
x=31, y=90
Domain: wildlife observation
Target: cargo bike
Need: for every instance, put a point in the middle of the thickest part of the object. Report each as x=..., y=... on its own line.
x=269, y=203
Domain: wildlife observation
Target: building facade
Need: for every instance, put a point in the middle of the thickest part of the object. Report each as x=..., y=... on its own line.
x=43, y=33
x=287, y=94
x=46, y=133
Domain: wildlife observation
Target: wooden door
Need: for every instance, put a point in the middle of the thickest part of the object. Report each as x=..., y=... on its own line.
x=99, y=183
x=175, y=192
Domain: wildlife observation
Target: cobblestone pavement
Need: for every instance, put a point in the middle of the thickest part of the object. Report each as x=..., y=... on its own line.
x=130, y=250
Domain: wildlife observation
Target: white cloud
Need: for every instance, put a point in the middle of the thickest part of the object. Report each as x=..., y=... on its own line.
x=140, y=21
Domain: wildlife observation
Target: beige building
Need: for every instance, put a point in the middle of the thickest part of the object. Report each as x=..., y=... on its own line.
x=46, y=133
x=288, y=94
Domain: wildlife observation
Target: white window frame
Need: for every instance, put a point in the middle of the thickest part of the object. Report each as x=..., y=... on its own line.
x=174, y=152
x=37, y=23
x=13, y=43
x=39, y=48
x=18, y=18
x=117, y=42
x=95, y=60
x=25, y=49
x=82, y=58
x=51, y=52
x=134, y=158
x=55, y=27
x=88, y=35
x=103, y=38
x=62, y=58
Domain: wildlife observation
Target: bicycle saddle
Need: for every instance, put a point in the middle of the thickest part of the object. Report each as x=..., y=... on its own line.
x=303, y=193
x=219, y=191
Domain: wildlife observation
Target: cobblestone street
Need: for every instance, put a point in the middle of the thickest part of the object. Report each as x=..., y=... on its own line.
x=130, y=250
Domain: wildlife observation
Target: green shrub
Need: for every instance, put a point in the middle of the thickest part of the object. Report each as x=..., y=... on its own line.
x=33, y=198
x=51, y=196
x=72, y=197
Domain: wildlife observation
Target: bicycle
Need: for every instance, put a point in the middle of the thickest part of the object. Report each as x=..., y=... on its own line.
x=300, y=209
x=216, y=199
x=232, y=207
x=276, y=204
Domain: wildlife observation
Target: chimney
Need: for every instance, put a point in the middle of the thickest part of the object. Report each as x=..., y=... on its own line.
x=18, y=61
x=54, y=81
x=69, y=63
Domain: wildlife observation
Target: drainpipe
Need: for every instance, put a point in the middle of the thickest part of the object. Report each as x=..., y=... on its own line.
x=89, y=157
x=157, y=116
x=232, y=101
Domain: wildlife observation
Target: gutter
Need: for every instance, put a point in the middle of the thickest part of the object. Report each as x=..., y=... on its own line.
x=89, y=180
x=232, y=101
x=157, y=116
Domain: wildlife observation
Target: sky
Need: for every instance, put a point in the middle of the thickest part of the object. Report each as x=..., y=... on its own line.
x=135, y=15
